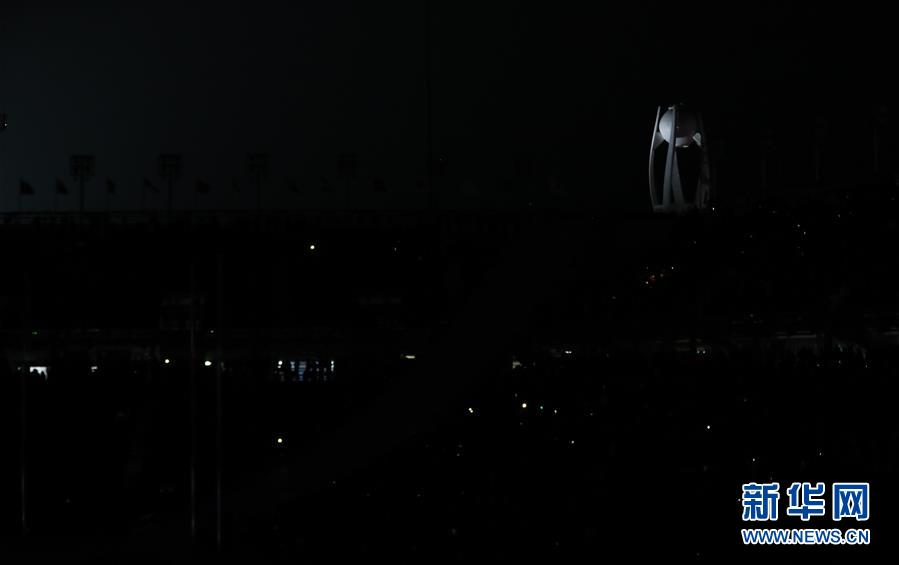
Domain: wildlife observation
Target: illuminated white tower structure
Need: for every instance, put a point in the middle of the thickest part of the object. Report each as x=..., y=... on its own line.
x=680, y=155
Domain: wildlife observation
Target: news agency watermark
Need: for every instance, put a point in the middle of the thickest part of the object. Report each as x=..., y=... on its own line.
x=848, y=501
x=805, y=536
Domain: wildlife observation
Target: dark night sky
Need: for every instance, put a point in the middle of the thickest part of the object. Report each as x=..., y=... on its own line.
x=569, y=87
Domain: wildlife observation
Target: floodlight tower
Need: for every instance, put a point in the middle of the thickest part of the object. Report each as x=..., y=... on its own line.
x=686, y=181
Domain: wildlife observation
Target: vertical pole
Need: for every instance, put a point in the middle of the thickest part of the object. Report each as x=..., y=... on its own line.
x=193, y=403
x=258, y=191
x=346, y=192
x=763, y=164
x=819, y=133
x=23, y=379
x=23, y=422
x=428, y=122
x=171, y=204
x=817, y=163
x=876, y=150
x=219, y=443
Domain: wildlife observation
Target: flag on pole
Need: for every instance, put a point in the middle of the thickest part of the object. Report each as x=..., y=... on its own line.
x=61, y=187
x=203, y=187
x=149, y=185
x=110, y=186
x=25, y=188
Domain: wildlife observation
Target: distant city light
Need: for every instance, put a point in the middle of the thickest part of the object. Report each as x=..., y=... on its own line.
x=471, y=410
x=167, y=361
x=311, y=247
x=708, y=427
x=524, y=405
x=280, y=440
x=568, y=352
x=207, y=363
x=94, y=368
x=409, y=356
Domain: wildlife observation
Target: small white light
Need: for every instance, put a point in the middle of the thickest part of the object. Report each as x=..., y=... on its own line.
x=167, y=361
x=311, y=247
x=471, y=410
x=94, y=368
x=280, y=440
x=207, y=363
x=524, y=405
x=409, y=356
x=280, y=363
x=708, y=427
x=568, y=352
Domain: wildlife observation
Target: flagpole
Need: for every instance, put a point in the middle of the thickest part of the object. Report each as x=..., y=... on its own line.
x=219, y=439
x=23, y=466
x=82, y=168
x=428, y=111
x=22, y=448
x=193, y=405
x=170, y=168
